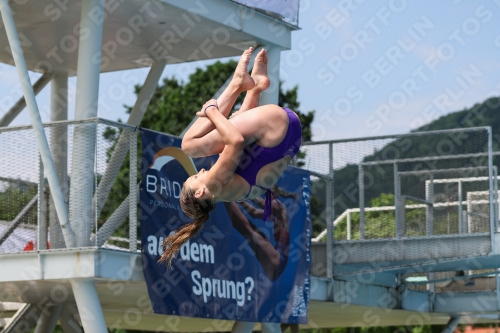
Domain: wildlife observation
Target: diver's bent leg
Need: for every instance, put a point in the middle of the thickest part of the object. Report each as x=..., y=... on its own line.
x=267, y=122
x=203, y=125
x=251, y=100
x=259, y=75
x=241, y=81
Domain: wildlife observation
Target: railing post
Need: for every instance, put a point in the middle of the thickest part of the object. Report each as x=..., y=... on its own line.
x=133, y=192
x=329, y=215
x=348, y=225
x=497, y=287
x=429, y=210
x=361, y=181
x=402, y=214
x=59, y=149
x=42, y=212
x=495, y=196
x=492, y=188
x=460, y=217
x=469, y=215
x=397, y=198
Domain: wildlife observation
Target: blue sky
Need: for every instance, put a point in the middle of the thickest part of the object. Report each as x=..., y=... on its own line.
x=366, y=67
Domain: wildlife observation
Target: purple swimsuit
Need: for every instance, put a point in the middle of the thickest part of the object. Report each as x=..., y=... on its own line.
x=255, y=157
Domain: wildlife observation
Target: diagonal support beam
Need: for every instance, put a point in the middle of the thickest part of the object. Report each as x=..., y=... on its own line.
x=68, y=322
x=114, y=221
x=452, y=324
x=48, y=319
x=16, y=109
x=146, y=93
x=24, y=320
x=41, y=139
x=19, y=218
x=89, y=306
x=122, y=146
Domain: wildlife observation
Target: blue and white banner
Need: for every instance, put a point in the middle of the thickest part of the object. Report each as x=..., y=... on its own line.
x=238, y=267
x=288, y=10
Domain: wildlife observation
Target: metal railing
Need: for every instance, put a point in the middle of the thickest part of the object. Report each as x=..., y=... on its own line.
x=26, y=205
x=417, y=185
x=384, y=187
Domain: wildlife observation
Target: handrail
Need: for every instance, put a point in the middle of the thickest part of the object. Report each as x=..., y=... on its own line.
x=388, y=208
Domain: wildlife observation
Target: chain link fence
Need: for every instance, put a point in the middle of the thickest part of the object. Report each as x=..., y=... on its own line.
x=402, y=187
x=95, y=172
x=420, y=185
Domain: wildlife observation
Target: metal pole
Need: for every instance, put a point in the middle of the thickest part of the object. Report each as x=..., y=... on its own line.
x=42, y=212
x=43, y=146
x=114, y=221
x=48, y=319
x=24, y=319
x=469, y=213
x=89, y=306
x=495, y=195
x=402, y=211
x=492, y=188
x=68, y=323
x=452, y=324
x=348, y=225
x=133, y=192
x=361, y=181
x=329, y=216
x=429, y=210
x=59, y=149
x=432, y=285
x=497, y=286
x=21, y=103
x=84, y=138
x=271, y=95
x=448, y=217
x=146, y=93
x=122, y=145
x=397, y=199
x=460, y=219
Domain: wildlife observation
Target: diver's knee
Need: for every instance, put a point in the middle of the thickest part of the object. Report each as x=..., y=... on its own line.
x=187, y=148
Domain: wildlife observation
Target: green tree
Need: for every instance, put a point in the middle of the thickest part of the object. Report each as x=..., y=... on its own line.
x=14, y=198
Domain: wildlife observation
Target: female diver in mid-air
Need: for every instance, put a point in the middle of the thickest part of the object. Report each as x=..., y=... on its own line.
x=255, y=146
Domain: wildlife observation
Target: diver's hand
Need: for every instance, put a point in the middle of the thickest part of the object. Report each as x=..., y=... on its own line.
x=207, y=107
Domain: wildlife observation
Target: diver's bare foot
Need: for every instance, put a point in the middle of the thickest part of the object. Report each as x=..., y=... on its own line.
x=241, y=79
x=259, y=71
